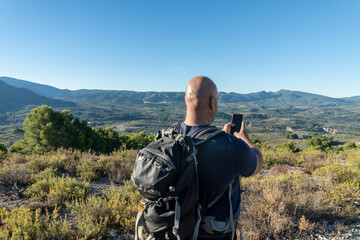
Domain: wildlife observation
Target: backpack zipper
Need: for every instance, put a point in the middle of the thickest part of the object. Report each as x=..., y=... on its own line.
x=167, y=160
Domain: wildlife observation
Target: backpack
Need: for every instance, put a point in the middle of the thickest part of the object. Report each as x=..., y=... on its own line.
x=165, y=174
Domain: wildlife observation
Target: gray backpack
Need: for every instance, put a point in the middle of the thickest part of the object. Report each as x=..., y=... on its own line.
x=165, y=173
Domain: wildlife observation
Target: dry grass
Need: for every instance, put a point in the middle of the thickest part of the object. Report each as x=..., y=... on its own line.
x=289, y=204
x=276, y=204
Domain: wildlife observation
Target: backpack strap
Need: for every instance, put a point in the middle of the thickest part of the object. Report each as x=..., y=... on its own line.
x=177, y=218
x=139, y=226
x=231, y=214
x=206, y=135
x=175, y=125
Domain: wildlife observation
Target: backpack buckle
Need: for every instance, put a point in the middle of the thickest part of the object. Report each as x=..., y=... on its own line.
x=142, y=205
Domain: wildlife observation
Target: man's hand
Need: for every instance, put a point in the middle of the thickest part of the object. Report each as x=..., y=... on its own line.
x=243, y=134
x=227, y=127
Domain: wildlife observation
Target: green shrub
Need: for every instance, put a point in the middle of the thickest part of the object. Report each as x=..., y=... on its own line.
x=23, y=223
x=88, y=170
x=342, y=181
x=3, y=148
x=349, y=145
x=353, y=158
x=20, y=223
x=256, y=142
x=136, y=140
x=323, y=143
x=292, y=136
x=92, y=217
x=57, y=190
x=36, y=165
x=47, y=173
x=96, y=216
x=279, y=156
x=288, y=146
x=123, y=205
x=337, y=173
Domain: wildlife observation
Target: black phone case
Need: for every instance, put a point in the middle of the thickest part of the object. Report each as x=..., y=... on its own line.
x=237, y=120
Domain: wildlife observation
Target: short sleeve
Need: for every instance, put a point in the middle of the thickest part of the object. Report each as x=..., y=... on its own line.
x=245, y=159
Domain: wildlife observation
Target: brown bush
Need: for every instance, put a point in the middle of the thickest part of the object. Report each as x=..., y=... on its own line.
x=119, y=172
x=11, y=174
x=277, y=169
x=311, y=165
x=68, y=159
x=16, y=158
x=120, y=165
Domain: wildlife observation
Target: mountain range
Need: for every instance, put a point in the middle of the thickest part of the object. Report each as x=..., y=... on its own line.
x=282, y=97
x=150, y=111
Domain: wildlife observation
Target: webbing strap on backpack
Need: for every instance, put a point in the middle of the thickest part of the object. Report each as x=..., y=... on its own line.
x=140, y=227
x=212, y=203
x=231, y=214
x=177, y=219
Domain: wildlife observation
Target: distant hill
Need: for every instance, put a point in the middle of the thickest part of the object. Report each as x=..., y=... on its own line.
x=283, y=98
x=40, y=89
x=268, y=99
x=14, y=98
x=355, y=98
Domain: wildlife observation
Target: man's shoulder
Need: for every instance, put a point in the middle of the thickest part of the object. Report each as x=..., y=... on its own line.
x=191, y=131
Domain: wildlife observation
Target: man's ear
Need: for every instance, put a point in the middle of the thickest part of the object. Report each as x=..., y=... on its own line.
x=212, y=102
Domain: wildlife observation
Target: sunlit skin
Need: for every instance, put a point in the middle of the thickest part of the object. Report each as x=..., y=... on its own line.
x=201, y=98
x=201, y=101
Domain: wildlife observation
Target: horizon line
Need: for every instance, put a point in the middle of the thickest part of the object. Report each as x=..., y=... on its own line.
x=98, y=89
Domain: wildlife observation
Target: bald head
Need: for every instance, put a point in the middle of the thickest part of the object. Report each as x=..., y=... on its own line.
x=201, y=101
x=199, y=90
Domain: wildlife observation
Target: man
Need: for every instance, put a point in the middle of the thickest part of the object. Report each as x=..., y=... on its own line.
x=221, y=159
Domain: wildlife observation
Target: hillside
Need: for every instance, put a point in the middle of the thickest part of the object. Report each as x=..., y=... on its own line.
x=14, y=98
x=40, y=89
x=355, y=98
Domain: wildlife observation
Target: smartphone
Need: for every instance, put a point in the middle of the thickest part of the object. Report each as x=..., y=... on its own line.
x=237, y=120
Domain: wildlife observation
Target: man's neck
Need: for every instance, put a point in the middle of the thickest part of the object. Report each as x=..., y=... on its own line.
x=193, y=121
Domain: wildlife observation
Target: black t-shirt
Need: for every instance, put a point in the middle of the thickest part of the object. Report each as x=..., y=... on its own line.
x=221, y=160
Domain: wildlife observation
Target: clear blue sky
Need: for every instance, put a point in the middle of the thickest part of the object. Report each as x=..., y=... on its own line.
x=244, y=46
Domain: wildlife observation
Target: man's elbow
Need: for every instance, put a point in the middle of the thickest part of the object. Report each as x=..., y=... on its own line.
x=260, y=161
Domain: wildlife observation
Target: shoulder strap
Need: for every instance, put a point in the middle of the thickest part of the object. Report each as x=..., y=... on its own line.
x=206, y=135
x=175, y=125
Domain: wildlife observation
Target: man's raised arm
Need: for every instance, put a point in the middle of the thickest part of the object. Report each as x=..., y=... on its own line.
x=243, y=135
